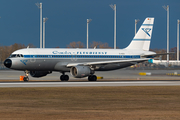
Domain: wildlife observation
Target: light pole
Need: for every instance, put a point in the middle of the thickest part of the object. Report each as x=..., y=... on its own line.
x=178, y=22
x=114, y=8
x=44, y=21
x=88, y=21
x=136, y=21
x=167, y=9
x=39, y=5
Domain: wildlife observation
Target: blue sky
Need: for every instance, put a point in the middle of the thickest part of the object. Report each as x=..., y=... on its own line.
x=19, y=21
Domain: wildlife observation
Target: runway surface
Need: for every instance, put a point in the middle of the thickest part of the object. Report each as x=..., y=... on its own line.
x=121, y=74
x=89, y=84
x=122, y=77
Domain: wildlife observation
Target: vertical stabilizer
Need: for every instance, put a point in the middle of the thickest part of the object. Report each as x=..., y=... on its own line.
x=142, y=39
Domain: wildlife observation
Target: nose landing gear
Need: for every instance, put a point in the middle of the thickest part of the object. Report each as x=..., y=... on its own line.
x=26, y=78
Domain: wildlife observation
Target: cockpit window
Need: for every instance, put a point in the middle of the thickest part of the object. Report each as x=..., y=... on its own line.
x=13, y=55
x=16, y=55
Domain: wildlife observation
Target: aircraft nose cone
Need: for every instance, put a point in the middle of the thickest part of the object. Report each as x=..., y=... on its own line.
x=8, y=63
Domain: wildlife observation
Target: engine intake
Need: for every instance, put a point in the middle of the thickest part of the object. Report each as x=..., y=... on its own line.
x=81, y=71
x=39, y=73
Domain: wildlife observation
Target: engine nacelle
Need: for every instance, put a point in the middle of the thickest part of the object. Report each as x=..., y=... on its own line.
x=81, y=71
x=39, y=73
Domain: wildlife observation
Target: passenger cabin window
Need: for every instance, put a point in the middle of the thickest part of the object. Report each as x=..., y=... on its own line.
x=16, y=55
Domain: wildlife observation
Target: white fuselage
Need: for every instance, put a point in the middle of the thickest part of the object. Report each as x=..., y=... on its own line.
x=47, y=59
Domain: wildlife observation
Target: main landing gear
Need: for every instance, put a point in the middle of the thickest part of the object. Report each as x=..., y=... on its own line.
x=92, y=78
x=26, y=78
x=64, y=77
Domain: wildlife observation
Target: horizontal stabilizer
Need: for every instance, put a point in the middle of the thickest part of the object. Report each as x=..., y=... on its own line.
x=154, y=55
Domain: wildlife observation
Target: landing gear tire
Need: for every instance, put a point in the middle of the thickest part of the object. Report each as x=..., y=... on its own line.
x=92, y=78
x=26, y=79
x=64, y=77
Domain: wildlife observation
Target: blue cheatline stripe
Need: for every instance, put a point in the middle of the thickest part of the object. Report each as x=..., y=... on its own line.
x=142, y=39
x=81, y=56
x=147, y=24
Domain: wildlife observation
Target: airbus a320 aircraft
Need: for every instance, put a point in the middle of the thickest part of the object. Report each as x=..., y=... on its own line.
x=82, y=62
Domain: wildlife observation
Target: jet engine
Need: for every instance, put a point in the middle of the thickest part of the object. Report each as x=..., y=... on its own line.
x=39, y=73
x=81, y=71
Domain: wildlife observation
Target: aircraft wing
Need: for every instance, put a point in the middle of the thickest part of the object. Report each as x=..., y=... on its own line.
x=133, y=61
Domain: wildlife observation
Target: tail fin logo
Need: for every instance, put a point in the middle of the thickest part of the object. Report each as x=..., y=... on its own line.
x=147, y=30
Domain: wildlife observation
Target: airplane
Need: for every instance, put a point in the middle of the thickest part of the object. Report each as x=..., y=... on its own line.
x=82, y=62
x=164, y=62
